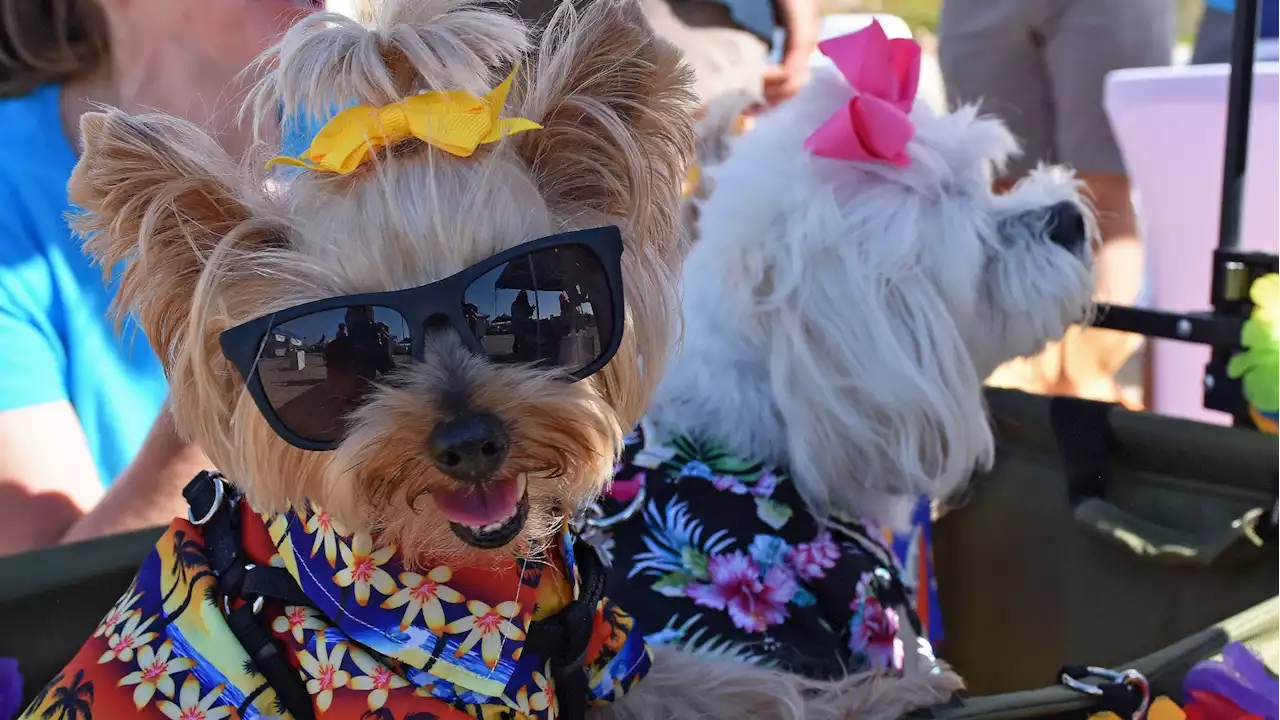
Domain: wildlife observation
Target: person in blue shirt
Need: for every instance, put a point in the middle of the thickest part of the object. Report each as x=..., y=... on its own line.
x=80, y=400
x=1213, y=36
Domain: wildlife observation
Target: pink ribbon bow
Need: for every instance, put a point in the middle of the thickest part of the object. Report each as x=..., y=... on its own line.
x=876, y=124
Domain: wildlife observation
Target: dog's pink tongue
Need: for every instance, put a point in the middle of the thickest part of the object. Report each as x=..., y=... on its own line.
x=481, y=504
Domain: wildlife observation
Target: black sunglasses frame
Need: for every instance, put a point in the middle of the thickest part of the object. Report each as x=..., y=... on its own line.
x=242, y=345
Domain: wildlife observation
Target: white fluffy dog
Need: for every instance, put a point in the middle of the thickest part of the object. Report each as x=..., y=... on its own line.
x=840, y=317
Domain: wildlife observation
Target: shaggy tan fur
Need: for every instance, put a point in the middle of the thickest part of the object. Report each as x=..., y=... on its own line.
x=685, y=685
x=212, y=245
x=209, y=244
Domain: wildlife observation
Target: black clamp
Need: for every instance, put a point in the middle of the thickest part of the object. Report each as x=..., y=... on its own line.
x=1124, y=692
x=1268, y=528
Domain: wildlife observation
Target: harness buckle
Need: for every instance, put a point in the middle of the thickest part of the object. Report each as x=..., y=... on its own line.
x=219, y=493
x=258, y=601
x=592, y=516
x=591, y=523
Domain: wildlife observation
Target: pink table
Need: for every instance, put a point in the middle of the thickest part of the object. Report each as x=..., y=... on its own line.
x=1171, y=127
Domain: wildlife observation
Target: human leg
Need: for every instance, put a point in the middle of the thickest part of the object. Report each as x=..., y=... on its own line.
x=1085, y=40
x=990, y=54
x=1213, y=38
x=725, y=57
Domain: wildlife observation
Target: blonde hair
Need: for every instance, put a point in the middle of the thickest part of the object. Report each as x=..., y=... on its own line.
x=49, y=41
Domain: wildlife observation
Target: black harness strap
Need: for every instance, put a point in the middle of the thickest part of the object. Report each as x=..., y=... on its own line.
x=273, y=583
x=215, y=507
x=266, y=656
x=1083, y=431
x=564, y=637
x=213, y=503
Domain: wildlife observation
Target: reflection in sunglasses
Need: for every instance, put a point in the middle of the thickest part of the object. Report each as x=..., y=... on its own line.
x=540, y=309
x=550, y=307
x=317, y=368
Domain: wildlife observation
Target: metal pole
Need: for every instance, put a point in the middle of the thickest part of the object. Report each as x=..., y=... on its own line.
x=1239, y=100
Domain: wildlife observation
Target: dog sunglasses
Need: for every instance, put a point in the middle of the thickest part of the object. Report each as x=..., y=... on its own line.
x=555, y=302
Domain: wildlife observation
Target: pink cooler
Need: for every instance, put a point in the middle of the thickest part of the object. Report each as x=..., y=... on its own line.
x=1170, y=124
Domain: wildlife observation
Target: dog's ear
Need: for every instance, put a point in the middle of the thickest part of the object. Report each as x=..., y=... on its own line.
x=880, y=399
x=616, y=107
x=152, y=193
x=976, y=141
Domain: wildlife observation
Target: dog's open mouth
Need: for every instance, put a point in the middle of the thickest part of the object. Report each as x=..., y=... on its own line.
x=487, y=515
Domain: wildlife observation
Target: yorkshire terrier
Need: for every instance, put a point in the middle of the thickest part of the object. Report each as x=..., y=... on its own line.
x=413, y=349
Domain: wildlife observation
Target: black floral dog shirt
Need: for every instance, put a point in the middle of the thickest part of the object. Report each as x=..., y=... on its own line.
x=719, y=554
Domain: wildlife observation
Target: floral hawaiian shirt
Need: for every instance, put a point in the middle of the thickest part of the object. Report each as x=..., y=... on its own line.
x=384, y=643
x=722, y=556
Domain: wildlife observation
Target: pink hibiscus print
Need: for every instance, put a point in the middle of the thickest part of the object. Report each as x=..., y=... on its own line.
x=883, y=644
x=811, y=560
x=625, y=490
x=728, y=483
x=874, y=630
x=754, y=603
x=765, y=486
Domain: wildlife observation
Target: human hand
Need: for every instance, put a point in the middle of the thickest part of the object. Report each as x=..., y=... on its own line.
x=800, y=20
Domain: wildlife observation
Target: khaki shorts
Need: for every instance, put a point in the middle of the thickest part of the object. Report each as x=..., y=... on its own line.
x=726, y=59
x=1213, y=37
x=1039, y=65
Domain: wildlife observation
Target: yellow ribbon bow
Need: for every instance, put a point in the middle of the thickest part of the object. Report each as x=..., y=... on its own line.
x=453, y=120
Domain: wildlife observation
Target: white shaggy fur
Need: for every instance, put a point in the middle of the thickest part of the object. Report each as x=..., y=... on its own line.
x=840, y=317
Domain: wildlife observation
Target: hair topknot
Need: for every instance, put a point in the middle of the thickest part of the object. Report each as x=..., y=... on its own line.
x=395, y=49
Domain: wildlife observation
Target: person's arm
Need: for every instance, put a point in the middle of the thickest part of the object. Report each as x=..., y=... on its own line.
x=149, y=492
x=48, y=479
x=800, y=19
x=49, y=489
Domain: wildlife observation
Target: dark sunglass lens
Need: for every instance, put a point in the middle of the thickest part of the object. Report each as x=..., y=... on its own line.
x=552, y=306
x=317, y=368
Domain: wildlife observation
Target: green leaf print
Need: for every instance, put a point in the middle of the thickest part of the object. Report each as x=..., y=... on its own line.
x=714, y=456
x=695, y=562
x=723, y=463
x=772, y=513
x=672, y=584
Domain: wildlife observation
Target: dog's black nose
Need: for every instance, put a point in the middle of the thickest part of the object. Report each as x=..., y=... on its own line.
x=1067, y=227
x=470, y=448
